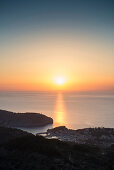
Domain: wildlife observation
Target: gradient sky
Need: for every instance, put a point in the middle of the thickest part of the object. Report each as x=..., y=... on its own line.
x=44, y=39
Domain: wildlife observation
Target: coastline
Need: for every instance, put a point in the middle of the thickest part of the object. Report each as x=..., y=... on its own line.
x=99, y=136
x=25, y=120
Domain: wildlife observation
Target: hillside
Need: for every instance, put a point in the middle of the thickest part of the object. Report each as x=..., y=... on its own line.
x=31, y=152
x=11, y=119
x=7, y=134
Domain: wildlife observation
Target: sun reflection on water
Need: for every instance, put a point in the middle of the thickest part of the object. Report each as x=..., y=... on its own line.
x=60, y=111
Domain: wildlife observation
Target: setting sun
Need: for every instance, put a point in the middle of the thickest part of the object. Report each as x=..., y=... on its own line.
x=60, y=80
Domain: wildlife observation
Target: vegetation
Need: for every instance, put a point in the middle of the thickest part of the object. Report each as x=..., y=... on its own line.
x=29, y=152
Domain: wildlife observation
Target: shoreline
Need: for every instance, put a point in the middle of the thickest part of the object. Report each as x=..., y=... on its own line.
x=100, y=136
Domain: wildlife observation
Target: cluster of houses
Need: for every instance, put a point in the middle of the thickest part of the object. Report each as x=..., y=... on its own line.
x=97, y=136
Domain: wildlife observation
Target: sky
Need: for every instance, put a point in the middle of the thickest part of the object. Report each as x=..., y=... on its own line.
x=42, y=41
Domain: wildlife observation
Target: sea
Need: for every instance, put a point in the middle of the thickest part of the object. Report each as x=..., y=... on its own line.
x=75, y=110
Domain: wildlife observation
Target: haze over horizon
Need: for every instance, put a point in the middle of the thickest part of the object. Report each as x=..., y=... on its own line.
x=57, y=45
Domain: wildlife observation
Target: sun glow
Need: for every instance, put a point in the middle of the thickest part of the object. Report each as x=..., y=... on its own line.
x=60, y=80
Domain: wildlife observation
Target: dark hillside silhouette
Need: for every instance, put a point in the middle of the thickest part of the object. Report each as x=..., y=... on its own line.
x=28, y=152
x=11, y=119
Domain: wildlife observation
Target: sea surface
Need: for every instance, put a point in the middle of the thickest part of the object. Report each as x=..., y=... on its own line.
x=72, y=109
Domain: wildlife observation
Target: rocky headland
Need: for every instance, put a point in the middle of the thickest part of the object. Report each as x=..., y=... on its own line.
x=11, y=119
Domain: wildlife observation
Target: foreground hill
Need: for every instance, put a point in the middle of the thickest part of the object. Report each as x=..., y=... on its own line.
x=11, y=119
x=7, y=134
x=29, y=152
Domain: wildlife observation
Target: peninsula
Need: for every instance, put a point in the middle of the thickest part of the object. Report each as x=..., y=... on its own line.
x=11, y=119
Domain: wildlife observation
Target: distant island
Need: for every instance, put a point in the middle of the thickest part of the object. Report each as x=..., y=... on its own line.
x=11, y=119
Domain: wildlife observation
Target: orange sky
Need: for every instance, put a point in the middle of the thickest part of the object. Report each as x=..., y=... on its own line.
x=33, y=62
